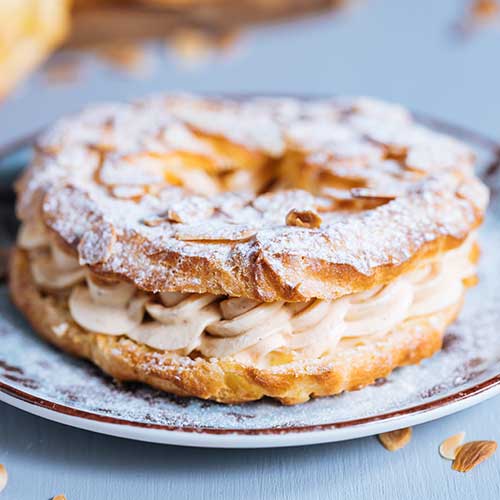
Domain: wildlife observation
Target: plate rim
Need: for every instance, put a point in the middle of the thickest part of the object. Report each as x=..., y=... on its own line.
x=266, y=437
x=250, y=438
x=429, y=406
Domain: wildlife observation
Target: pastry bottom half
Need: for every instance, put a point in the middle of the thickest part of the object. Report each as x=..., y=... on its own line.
x=351, y=367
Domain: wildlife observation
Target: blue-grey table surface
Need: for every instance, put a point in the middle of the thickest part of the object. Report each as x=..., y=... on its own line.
x=400, y=50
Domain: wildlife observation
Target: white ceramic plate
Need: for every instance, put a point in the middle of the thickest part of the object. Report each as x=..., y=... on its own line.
x=41, y=380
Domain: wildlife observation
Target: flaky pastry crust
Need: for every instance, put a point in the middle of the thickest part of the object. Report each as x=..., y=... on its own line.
x=226, y=380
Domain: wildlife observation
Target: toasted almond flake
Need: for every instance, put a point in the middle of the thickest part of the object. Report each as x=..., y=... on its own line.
x=303, y=218
x=337, y=194
x=59, y=497
x=473, y=453
x=180, y=214
x=395, y=440
x=4, y=477
x=449, y=447
x=174, y=216
x=127, y=192
x=154, y=221
x=215, y=233
x=372, y=194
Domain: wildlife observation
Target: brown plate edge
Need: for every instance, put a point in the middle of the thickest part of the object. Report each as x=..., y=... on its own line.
x=410, y=411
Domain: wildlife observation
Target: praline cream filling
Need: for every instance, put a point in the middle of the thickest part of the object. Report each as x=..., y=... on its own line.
x=247, y=330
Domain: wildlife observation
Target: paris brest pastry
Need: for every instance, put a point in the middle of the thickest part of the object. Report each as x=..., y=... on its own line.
x=236, y=249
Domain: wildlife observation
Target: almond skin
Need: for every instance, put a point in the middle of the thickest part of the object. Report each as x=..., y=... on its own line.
x=473, y=453
x=395, y=440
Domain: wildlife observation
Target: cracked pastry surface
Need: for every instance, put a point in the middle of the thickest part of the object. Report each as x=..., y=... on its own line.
x=232, y=250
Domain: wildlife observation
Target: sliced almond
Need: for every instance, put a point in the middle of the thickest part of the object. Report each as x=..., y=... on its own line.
x=215, y=233
x=473, y=453
x=4, y=477
x=303, y=218
x=187, y=211
x=449, y=447
x=127, y=192
x=154, y=221
x=373, y=194
x=395, y=440
x=337, y=194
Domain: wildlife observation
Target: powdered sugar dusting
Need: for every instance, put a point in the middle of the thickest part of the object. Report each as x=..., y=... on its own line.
x=111, y=170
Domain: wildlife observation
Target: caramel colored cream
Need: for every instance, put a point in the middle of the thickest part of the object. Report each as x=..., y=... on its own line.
x=247, y=330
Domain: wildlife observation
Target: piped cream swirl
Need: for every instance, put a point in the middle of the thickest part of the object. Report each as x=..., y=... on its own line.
x=245, y=329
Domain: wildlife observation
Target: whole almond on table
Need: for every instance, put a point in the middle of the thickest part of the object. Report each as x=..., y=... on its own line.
x=59, y=497
x=4, y=477
x=473, y=453
x=395, y=440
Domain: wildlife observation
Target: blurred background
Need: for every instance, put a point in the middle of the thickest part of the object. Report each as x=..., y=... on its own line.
x=440, y=57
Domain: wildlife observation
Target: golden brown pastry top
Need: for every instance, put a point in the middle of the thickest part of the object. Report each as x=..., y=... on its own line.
x=272, y=199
